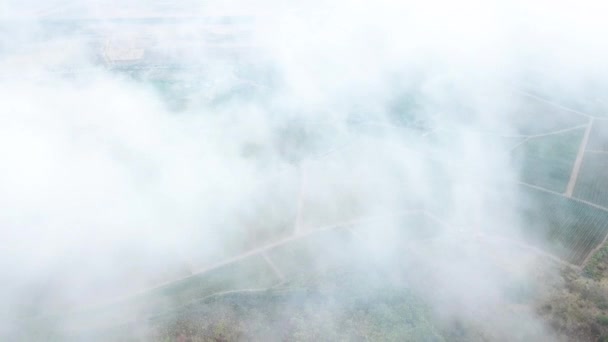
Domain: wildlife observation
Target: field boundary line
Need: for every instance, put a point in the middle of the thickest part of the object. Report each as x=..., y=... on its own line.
x=524, y=136
x=513, y=148
x=555, y=104
x=274, y=267
x=437, y=219
x=579, y=160
x=520, y=244
x=594, y=250
x=576, y=199
x=356, y=234
x=530, y=248
x=300, y=200
x=250, y=253
x=172, y=310
x=188, y=261
x=563, y=130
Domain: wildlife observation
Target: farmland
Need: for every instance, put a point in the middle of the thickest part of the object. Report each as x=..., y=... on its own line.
x=316, y=226
x=548, y=161
x=277, y=205
x=598, y=140
x=593, y=179
x=566, y=227
x=252, y=273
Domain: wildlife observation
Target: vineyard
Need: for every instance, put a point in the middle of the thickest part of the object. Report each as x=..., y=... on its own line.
x=565, y=227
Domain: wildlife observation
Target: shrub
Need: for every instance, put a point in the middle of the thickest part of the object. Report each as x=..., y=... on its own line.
x=602, y=319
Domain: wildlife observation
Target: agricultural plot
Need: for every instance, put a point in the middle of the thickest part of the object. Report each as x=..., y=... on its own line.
x=172, y=93
x=298, y=139
x=328, y=197
x=251, y=273
x=130, y=272
x=319, y=210
x=548, y=161
x=598, y=138
x=590, y=100
x=592, y=104
x=269, y=216
x=398, y=239
x=316, y=255
x=545, y=141
x=319, y=255
x=323, y=253
x=183, y=95
x=533, y=117
x=501, y=139
x=361, y=310
x=565, y=227
x=274, y=241
x=400, y=230
x=406, y=110
x=592, y=182
x=511, y=142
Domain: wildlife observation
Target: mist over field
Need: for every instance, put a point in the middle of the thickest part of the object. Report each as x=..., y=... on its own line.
x=276, y=146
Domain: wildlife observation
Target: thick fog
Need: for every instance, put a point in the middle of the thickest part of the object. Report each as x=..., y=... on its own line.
x=326, y=112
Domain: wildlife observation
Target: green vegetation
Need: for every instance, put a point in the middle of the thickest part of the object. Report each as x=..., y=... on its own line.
x=576, y=306
x=603, y=320
x=361, y=311
x=597, y=264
